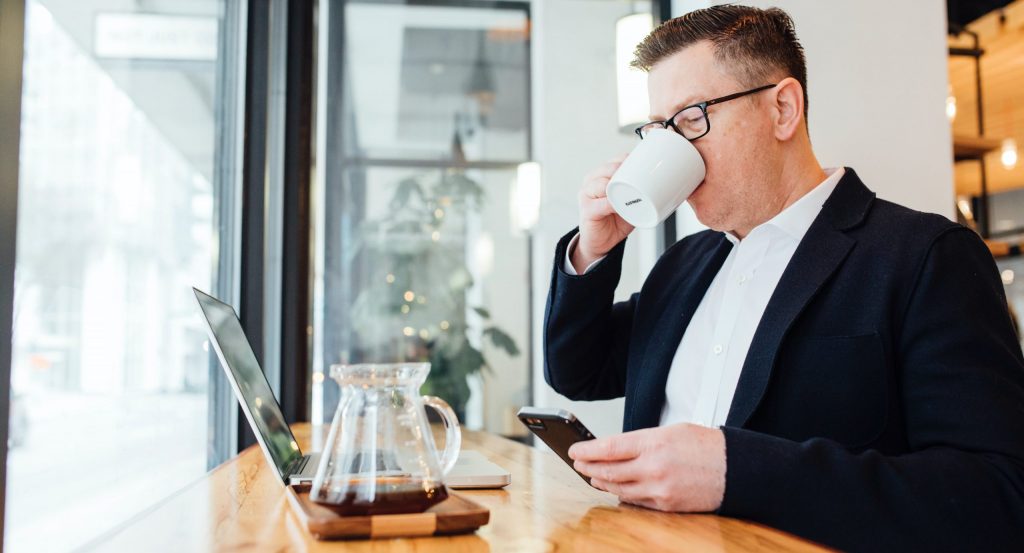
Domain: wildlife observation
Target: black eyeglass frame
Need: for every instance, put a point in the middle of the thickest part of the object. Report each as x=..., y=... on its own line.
x=670, y=122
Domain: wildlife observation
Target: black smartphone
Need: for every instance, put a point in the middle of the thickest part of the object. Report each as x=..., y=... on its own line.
x=558, y=428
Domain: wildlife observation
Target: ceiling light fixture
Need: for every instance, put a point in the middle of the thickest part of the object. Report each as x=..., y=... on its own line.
x=951, y=105
x=1009, y=153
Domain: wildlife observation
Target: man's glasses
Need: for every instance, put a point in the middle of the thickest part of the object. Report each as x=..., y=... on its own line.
x=692, y=121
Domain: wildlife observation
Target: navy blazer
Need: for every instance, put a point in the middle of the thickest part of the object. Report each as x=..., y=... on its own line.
x=881, y=403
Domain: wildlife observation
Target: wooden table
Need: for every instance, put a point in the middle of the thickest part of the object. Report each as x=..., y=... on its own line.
x=241, y=505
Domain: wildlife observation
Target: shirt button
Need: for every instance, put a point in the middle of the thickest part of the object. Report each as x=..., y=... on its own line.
x=743, y=278
x=717, y=349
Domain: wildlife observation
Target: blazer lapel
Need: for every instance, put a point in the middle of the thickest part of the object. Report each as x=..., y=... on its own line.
x=819, y=254
x=648, y=394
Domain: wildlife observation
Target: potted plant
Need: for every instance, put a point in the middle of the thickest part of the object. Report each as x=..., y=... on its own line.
x=414, y=307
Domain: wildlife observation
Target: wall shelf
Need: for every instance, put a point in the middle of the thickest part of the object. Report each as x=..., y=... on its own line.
x=973, y=147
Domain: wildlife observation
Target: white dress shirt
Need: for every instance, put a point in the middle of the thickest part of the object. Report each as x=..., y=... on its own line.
x=706, y=367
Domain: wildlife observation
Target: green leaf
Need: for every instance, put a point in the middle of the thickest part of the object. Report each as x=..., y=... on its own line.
x=461, y=188
x=404, y=192
x=411, y=228
x=467, y=361
x=446, y=381
x=502, y=340
x=482, y=312
x=460, y=280
x=459, y=394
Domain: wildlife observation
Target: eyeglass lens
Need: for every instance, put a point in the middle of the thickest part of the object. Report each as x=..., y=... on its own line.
x=690, y=122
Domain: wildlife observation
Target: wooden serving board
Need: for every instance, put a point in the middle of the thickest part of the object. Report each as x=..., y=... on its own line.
x=455, y=515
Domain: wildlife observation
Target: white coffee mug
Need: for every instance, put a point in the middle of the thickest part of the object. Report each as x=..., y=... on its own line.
x=655, y=179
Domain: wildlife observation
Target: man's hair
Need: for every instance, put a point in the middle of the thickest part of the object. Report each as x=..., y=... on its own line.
x=753, y=45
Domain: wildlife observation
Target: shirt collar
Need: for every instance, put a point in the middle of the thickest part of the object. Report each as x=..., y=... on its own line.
x=797, y=218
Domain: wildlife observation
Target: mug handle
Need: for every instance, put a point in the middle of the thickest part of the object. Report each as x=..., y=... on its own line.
x=452, y=432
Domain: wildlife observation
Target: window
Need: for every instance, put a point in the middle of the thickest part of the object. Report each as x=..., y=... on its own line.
x=425, y=118
x=117, y=220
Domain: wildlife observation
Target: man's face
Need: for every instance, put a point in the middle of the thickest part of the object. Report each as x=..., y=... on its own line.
x=740, y=152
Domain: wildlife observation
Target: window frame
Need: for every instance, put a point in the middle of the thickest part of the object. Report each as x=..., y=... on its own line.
x=332, y=170
x=12, y=43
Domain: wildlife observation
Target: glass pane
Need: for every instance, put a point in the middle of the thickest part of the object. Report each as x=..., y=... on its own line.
x=420, y=74
x=1007, y=211
x=420, y=253
x=1012, y=272
x=116, y=215
x=428, y=267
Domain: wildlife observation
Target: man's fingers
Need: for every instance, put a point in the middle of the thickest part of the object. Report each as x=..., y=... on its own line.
x=605, y=486
x=595, y=187
x=615, y=471
x=613, y=448
x=603, y=207
x=630, y=492
x=606, y=169
x=640, y=501
x=595, y=183
x=596, y=209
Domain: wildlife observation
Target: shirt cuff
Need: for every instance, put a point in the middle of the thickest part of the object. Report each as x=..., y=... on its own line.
x=569, y=269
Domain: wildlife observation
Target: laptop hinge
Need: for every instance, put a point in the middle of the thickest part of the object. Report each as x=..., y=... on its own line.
x=296, y=466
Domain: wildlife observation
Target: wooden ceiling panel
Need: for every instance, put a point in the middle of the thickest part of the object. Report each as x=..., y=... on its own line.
x=1002, y=74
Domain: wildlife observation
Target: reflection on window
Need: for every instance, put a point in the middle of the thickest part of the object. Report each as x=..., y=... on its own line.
x=420, y=257
x=1011, y=271
x=421, y=74
x=109, y=373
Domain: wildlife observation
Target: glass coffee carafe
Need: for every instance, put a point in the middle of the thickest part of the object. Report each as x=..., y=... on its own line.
x=380, y=456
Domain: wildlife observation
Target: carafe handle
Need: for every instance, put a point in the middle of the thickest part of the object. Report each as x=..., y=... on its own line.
x=452, y=433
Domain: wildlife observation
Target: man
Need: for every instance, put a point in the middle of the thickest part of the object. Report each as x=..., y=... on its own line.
x=820, y=361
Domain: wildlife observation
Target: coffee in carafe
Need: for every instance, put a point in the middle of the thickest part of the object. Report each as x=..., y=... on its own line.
x=380, y=456
x=384, y=496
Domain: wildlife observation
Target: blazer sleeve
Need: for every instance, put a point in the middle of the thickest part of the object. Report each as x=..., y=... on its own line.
x=961, y=381
x=586, y=334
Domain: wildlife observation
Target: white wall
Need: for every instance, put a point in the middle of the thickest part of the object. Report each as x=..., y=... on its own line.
x=575, y=122
x=877, y=86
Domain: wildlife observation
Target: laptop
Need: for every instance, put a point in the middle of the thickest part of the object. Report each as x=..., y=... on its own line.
x=471, y=470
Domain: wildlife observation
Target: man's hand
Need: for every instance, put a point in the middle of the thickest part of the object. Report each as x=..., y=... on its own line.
x=601, y=229
x=671, y=468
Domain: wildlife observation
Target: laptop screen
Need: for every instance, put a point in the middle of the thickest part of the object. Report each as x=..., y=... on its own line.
x=249, y=382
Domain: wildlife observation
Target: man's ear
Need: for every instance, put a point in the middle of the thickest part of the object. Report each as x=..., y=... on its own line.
x=788, y=108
